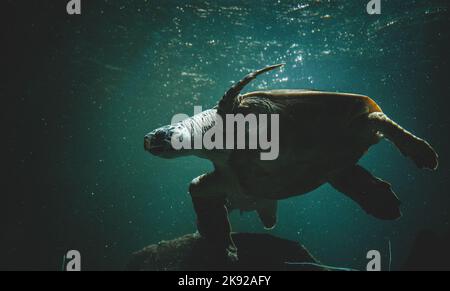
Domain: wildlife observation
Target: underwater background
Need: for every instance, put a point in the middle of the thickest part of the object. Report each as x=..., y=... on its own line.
x=82, y=91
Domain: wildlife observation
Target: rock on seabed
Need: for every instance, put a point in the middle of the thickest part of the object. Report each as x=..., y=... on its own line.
x=256, y=252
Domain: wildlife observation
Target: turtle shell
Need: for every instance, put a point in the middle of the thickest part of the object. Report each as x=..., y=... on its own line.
x=320, y=133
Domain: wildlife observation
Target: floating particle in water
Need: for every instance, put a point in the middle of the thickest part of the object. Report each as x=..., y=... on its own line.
x=282, y=80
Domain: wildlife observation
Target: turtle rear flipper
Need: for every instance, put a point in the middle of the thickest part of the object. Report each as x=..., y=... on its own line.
x=420, y=151
x=268, y=214
x=374, y=195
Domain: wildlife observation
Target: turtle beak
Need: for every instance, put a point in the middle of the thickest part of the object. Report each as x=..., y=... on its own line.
x=148, y=142
x=157, y=141
x=154, y=143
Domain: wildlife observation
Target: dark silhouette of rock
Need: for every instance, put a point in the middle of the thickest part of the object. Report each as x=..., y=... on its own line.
x=430, y=252
x=191, y=252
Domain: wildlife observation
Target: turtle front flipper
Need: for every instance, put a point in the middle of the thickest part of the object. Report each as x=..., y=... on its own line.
x=374, y=195
x=420, y=151
x=212, y=214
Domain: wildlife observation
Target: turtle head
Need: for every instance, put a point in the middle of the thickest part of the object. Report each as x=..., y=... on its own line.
x=179, y=138
x=160, y=142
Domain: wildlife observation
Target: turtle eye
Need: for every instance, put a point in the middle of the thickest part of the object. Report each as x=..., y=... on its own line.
x=160, y=134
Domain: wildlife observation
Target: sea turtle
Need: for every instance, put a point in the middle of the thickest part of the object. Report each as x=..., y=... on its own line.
x=322, y=136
